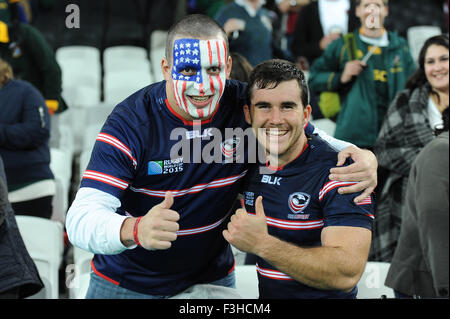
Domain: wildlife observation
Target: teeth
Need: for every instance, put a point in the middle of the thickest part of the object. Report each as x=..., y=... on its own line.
x=200, y=98
x=275, y=132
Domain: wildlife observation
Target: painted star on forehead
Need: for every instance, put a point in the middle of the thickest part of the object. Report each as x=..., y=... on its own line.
x=195, y=44
x=195, y=61
x=195, y=52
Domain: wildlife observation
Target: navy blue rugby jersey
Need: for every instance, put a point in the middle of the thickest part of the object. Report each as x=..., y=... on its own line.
x=132, y=161
x=299, y=201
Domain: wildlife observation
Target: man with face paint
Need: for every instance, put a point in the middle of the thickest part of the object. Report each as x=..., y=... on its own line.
x=155, y=220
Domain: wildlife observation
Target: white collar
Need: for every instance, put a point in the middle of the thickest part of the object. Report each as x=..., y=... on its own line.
x=382, y=41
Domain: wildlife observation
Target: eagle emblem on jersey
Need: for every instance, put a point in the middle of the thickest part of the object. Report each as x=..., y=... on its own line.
x=298, y=202
x=229, y=146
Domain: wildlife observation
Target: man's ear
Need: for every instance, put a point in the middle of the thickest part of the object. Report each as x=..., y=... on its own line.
x=307, y=113
x=229, y=65
x=166, y=69
x=248, y=117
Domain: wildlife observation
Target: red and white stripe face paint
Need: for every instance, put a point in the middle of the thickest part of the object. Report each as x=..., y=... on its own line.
x=199, y=74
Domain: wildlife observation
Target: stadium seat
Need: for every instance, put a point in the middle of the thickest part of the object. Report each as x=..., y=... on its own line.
x=80, y=281
x=81, y=74
x=371, y=285
x=60, y=202
x=125, y=57
x=417, y=36
x=247, y=281
x=61, y=166
x=43, y=239
x=157, y=52
x=79, y=286
x=121, y=84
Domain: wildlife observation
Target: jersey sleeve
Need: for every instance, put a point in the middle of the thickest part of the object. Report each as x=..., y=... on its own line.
x=341, y=210
x=113, y=161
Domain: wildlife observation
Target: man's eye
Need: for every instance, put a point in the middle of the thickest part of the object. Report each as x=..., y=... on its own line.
x=188, y=71
x=214, y=70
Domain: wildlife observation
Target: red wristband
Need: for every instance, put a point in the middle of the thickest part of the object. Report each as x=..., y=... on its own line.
x=135, y=231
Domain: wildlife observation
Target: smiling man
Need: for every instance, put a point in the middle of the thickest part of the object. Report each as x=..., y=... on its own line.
x=311, y=241
x=155, y=221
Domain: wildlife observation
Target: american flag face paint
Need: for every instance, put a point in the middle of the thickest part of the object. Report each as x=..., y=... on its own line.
x=199, y=74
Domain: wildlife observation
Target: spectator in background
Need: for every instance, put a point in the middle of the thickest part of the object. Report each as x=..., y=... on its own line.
x=241, y=67
x=407, y=128
x=19, y=277
x=207, y=7
x=31, y=57
x=318, y=24
x=289, y=10
x=24, y=136
x=249, y=29
x=365, y=88
x=419, y=268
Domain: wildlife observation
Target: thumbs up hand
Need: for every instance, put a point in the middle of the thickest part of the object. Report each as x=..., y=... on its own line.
x=248, y=231
x=158, y=228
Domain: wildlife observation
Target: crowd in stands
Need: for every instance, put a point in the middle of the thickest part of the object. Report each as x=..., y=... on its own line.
x=363, y=79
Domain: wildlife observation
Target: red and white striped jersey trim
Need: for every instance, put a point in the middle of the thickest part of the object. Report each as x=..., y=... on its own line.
x=194, y=189
x=331, y=185
x=272, y=274
x=293, y=225
x=199, y=230
x=105, y=178
x=366, y=201
x=111, y=140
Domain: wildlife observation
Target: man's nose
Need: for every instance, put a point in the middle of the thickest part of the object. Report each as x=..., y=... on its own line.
x=276, y=117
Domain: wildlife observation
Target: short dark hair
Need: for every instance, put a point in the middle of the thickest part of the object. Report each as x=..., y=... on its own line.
x=194, y=26
x=358, y=2
x=271, y=73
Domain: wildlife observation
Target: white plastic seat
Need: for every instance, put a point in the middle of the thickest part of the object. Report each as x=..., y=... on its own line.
x=247, y=281
x=90, y=135
x=124, y=57
x=77, y=52
x=80, y=281
x=81, y=95
x=61, y=166
x=417, y=35
x=80, y=286
x=157, y=53
x=60, y=202
x=43, y=239
x=121, y=84
x=371, y=285
x=81, y=74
